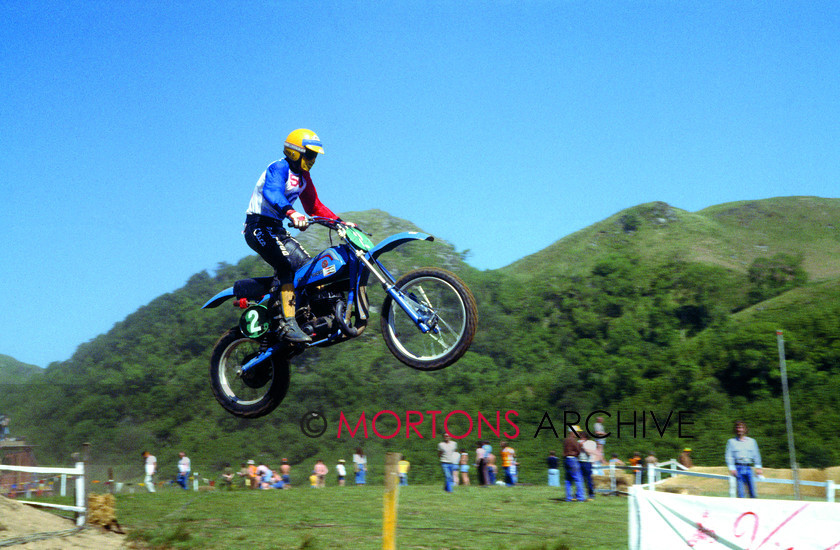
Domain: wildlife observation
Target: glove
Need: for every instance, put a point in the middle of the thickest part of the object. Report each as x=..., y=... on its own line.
x=298, y=219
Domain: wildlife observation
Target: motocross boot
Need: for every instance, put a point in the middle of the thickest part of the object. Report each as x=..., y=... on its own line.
x=287, y=326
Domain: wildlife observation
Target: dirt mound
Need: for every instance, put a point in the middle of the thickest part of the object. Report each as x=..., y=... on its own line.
x=700, y=485
x=20, y=520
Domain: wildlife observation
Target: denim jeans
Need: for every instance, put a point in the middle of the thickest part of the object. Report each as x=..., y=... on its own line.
x=573, y=476
x=448, y=471
x=745, y=478
x=182, y=479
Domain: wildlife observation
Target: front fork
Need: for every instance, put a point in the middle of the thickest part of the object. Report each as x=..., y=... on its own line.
x=424, y=323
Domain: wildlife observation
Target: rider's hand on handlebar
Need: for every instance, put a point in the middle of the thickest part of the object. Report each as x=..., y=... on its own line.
x=298, y=219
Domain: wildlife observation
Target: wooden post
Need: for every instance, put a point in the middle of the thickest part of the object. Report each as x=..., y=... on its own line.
x=389, y=508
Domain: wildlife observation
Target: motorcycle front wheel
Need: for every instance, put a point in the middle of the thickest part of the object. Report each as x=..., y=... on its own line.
x=255, y=393
x=443, y=301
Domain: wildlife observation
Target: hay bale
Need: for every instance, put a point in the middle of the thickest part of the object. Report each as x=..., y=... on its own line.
x=102, y=511
x=699, y=486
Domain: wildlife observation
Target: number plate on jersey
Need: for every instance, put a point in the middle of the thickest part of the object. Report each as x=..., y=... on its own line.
x=254, y=321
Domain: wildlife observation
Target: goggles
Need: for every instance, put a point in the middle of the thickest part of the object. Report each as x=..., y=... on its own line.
x=307, y=159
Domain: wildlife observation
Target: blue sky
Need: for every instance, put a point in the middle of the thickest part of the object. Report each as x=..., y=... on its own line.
x=132, y=133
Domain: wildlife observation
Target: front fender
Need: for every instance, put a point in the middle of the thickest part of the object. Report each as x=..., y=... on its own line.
x=387, y=245
x=394, y=241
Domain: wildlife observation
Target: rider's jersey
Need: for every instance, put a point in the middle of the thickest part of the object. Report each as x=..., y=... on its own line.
x=278, y=188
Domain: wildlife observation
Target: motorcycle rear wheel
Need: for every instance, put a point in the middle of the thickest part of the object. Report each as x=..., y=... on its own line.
x=260, y=390
x=455, y=318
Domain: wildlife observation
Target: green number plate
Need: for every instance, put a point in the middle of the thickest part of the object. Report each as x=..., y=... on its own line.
x=254, y=321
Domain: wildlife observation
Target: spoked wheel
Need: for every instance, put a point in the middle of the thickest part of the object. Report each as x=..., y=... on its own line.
x=444, y=303
x=254, y=393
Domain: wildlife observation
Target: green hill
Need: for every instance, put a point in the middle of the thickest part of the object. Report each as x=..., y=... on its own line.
x=730, y=235
x=13, y=371
x=652, y=311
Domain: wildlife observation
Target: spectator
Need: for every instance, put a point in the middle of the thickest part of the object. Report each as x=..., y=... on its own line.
x=588, y=454
x=264, y=475
x=286, y=473
x=685, y=458
x=321, y=471
x=651, y=459
x=276, y=481
x=341, y=470
x=403, y=466
x=636, y=464
x=449, y=457
x=553, y=469
x=228, y=476
x=509, y=464
x=600, y=434
x=490, y=458
x=253, y=480
x=4, y=427
x=150, y=466
x=360, y=466
x=243, y=473
x=481, y=463
x=571, y=452
x=741, y=456
x=184, y=469
x=464, y=467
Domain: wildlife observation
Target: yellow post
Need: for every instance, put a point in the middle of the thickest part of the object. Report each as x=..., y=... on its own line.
x=389, y=508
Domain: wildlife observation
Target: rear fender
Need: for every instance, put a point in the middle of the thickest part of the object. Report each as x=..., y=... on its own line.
x=219, y=298
x=255, y=289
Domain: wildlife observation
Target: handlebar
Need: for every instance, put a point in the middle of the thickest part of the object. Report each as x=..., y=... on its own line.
x=330, y=223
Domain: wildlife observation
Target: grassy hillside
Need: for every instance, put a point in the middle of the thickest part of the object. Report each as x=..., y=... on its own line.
x=730, y=235
x=13, y=371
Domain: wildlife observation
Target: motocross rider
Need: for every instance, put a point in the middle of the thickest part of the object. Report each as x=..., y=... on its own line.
x=283, y=182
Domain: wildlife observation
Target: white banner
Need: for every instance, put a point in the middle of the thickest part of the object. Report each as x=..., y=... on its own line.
x=669, y=521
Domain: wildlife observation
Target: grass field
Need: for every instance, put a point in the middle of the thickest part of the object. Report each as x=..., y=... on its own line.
x=518, y=518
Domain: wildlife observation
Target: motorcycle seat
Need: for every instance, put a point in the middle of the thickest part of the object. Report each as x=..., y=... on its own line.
x=253, y=289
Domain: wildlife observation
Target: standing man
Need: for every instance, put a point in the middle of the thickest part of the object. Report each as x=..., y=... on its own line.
x=741, y=456
x=184, y=469
x=449, y=458
x=150, y=465
x=571, y=452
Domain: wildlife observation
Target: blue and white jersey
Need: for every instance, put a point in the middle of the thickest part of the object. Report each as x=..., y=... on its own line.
x=277, y=190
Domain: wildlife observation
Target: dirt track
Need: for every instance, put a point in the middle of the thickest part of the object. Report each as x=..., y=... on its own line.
x=20, y=520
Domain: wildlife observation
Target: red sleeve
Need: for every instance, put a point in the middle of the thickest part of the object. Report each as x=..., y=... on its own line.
x=310, y=202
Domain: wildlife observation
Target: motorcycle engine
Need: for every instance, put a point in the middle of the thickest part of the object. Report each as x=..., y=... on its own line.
x=321, y=318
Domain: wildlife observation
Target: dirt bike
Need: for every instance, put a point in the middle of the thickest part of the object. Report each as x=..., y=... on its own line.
x=428, y=318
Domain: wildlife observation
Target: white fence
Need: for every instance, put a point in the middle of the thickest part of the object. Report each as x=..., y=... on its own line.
x=79, y=471
x=654, y=478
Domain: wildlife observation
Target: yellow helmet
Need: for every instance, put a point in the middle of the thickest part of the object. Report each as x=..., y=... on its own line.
x=301, y=147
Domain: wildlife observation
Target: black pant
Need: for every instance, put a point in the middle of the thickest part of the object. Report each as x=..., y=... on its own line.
x=279, y=249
